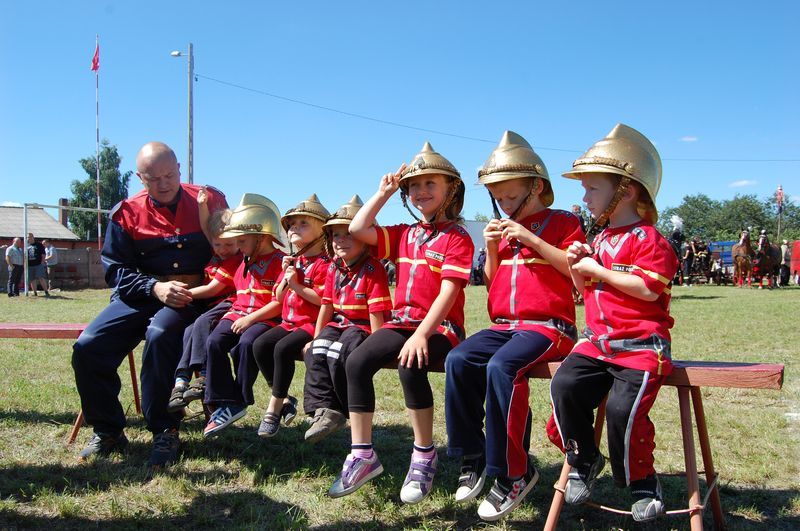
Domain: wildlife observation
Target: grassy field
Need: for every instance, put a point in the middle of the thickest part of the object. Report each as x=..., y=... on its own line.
x=241, y=481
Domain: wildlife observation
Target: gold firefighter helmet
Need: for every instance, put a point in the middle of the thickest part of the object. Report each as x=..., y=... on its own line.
x=628, y=153
x=255, y=214
x=514, y=158
x=311, y=207
x=346, y=212
x=429, y=161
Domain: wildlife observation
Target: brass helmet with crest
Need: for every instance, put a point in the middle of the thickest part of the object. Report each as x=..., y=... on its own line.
x=628, y=153
x=514, y=158
x=311, y=207
x=255, y=214
x=346, y=212
x=427, y=162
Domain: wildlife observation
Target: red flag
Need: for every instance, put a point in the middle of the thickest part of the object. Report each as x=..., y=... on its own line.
x=96, y=58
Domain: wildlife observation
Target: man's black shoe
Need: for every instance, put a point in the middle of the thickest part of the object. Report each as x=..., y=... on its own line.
x=104, y=444
x=165, y=448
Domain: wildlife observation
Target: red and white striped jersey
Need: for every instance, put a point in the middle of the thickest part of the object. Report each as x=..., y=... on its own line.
x=255, y=288
x=356, y=293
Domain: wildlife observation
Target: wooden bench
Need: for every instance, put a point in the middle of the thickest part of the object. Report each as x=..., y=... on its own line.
x=64, y=331
x=688, y=377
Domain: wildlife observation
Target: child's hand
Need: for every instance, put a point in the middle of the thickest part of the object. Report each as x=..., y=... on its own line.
x=202, y=196
x=286, y=262
x=391, y=181
x=307, y=346
x=576, y=251
x=511, y=230
x=290, y=276
x=241, y=324
x=587, y=267
x=415, y=348
x=492, y=231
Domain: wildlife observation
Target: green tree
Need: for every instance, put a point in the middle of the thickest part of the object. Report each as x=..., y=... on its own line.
x=698, y=213
x=481, y=217
x=113, y=189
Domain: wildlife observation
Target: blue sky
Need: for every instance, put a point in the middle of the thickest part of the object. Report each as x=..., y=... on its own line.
x=716, y=81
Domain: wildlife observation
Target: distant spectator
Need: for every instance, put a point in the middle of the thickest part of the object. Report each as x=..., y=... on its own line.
x=786, y=260
x=578, y=211
x=51, y=259
x=36, y=268
x=14, y=260
x=477, y=273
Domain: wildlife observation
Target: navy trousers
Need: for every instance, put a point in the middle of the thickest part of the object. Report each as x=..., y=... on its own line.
x=104, y=344
x=195, y=338
x=221, y=386
x=492, y=366
x=326, y=377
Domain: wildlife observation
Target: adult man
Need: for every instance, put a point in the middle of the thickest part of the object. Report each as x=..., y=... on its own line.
x=786, y=260
x=36, y=269
x=14, y=258
x=154, y=250
x=51, y=260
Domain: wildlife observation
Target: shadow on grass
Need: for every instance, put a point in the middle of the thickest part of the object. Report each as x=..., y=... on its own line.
x=36, y=417
x=687, y=297
x=206, y=511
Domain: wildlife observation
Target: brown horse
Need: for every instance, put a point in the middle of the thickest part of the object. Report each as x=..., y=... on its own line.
x=767, y=261
x=742, y=254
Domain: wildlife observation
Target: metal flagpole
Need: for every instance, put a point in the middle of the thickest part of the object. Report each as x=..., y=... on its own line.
x=97, y=130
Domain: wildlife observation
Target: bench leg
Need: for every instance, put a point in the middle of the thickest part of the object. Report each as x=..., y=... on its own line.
x=692, y=481
x=558, y=496
x=75, y=428
x=134, y=383
x=708, y=461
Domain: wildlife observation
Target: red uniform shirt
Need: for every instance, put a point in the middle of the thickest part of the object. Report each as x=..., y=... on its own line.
x=297, y=311
x=255, y=289
x=421, y=266
x=223, y=272
x=527, y=290
x=356, y=293
x=625, y=330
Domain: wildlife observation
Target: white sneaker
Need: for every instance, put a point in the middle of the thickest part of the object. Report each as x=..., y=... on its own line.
x=419, y=479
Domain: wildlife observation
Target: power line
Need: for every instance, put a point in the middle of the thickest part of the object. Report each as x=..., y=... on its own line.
x=444, y=133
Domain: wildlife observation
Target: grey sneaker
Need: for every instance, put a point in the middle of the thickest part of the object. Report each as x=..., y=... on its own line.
x=325, y=422
x=649, y=504
x=471, y=479
x=104, y=444
x=270, y=424
x=581, y=481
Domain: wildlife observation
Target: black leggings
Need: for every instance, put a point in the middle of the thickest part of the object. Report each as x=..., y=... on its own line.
x=376, y=351
x=275, y=352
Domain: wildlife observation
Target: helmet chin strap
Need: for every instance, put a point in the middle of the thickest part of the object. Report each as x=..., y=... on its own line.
x=601, y=222
x=311, y=244
x=518, y=210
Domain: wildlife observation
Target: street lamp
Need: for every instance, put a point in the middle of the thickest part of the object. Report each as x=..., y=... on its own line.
x=190, y=160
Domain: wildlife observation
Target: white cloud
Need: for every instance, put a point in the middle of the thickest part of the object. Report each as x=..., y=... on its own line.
x=10, y=203
x=688, y=139
x=742, y=182
x=795, y=198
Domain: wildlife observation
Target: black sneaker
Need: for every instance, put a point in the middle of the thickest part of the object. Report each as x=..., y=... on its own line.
x=507, y=494
x=649, y=504
x=289, y=411
x=103, y=444
x=165, y=448
x=581, y=481
x=176, y=401
x=471, y=479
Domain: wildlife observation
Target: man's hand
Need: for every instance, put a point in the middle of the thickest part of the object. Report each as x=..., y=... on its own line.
x=173, y=293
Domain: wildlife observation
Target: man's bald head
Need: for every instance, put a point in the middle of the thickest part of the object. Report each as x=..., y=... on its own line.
x=154, y=152
x=159, y=171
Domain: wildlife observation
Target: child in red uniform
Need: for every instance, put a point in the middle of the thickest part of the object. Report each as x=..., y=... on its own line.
x=218, y=288
x=625, y=352
x=355, y=302
x=254, y=224
x=300, y=295
x=434, y=259
x=530, y=304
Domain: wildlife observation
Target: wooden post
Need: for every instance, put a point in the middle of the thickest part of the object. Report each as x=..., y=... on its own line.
x=708, y=460
x=692, y=482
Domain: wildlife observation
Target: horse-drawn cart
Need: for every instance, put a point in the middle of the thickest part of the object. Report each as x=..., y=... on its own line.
x=721, y=262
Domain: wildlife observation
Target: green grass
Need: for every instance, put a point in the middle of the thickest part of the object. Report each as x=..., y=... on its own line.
x=241, y=481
